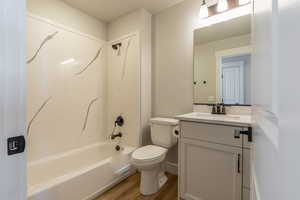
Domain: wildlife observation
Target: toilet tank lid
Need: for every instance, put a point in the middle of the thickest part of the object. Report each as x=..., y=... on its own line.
x=165, y=121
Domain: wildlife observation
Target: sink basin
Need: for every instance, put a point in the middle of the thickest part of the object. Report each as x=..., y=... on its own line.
x=215, y=117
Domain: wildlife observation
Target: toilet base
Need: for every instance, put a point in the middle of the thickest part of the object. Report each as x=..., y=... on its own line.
x=152, y=181
x=162, y=179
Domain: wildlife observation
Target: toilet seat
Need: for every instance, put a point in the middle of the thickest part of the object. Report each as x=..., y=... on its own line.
x=149, y=155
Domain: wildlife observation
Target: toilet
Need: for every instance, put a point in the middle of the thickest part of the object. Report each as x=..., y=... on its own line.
x=149, y=159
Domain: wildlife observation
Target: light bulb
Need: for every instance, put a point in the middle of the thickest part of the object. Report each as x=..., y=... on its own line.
x=203, y=11
x=243, y=2
x=222, y=5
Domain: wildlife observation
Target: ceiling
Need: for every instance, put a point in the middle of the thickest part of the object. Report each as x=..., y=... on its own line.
x=220, y=31
x=108, y=10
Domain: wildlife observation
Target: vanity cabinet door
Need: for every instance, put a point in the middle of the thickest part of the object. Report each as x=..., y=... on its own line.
x=246, y=174
x=210, y=171
x=246, y=194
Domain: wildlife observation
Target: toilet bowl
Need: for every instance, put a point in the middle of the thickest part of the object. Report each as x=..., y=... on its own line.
x=149, y=159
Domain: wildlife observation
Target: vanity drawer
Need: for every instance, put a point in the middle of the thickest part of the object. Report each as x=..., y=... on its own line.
x=219, y=134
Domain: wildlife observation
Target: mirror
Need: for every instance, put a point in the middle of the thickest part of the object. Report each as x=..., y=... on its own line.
x=222, y=63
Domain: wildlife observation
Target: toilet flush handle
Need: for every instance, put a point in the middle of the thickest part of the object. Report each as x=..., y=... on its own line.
x=176, y=132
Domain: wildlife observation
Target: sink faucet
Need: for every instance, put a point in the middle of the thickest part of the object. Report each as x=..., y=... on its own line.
x=218, y=109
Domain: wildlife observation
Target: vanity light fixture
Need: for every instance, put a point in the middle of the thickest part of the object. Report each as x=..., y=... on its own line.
x=203, y=10
x=225, y=16
x=243, y=2
x=222, y=6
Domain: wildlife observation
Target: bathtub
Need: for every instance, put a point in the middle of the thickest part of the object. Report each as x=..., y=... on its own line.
x=81, y=174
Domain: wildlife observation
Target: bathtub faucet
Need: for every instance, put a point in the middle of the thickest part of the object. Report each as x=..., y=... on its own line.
x=113, y=136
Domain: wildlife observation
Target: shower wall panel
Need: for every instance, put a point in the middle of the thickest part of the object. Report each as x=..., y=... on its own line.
x=66, y=75
x=124, y=88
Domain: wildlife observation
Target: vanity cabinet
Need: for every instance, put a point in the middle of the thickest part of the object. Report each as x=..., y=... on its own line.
x=213, y=163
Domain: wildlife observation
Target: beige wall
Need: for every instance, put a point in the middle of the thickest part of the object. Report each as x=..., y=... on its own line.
x=206, y=65
x=172, y=69
x=62, y=13
x=172, y=82
x=126, y=24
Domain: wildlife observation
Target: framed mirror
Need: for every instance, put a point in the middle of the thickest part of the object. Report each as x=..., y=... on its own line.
x=222, y=63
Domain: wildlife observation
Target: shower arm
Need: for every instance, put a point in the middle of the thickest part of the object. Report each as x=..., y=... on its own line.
x=116, y=46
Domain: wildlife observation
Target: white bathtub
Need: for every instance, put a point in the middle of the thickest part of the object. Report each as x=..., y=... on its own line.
x=80, y=174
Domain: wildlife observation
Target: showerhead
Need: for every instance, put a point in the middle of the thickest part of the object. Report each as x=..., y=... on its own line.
x=117, y=46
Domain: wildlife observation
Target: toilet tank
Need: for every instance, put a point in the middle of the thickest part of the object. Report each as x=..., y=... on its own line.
x=162, y=131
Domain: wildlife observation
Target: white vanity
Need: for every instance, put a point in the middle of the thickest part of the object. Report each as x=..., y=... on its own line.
x=214, y=150
x=214, y=158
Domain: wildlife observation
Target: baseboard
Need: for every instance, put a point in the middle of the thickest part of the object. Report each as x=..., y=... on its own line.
x=171, y=168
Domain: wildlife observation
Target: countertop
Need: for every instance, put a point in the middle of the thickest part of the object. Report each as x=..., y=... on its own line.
x=232, y=120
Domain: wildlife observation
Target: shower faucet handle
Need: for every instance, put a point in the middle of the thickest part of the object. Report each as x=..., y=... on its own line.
x=116, y=135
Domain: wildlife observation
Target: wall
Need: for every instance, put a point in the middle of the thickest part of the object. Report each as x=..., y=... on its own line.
x=126, y=24
x=138, y=21
x=267, y=147
x=276, y=97
x=172, y=69
x=286, y=80
x=204, y=70
x=60, y=12
x=206, y=64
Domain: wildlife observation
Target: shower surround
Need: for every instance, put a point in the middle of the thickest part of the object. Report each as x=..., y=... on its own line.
x=77, y=86
x=66, y=77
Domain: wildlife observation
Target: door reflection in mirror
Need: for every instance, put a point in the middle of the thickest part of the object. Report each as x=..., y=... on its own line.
x=235, y=79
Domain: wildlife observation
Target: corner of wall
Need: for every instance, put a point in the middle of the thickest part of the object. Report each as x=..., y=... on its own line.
x=146, y=78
